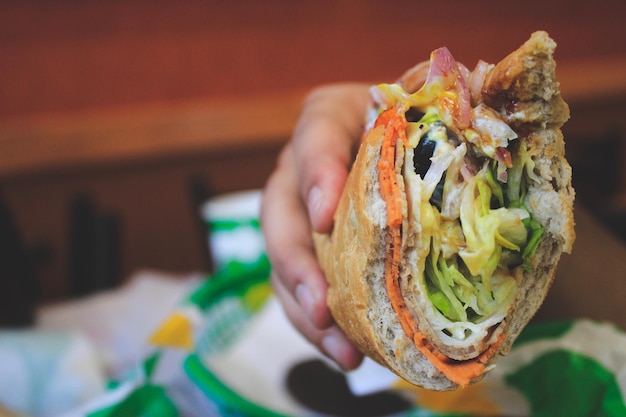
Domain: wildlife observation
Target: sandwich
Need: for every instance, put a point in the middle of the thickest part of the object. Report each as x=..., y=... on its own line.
x=455, y=213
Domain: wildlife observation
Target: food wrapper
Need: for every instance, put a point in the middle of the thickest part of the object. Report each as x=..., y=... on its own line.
x=44, y=373
x=229, y=350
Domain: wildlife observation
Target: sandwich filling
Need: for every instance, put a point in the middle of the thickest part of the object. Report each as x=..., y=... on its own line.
x=454, y=176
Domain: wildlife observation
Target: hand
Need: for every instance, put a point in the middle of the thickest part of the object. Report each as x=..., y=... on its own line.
x=302, y=195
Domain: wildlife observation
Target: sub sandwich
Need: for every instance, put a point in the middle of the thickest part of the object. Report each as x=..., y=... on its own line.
x=455, y=213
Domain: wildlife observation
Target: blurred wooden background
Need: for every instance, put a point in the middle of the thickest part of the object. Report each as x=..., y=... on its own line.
x=126, y=101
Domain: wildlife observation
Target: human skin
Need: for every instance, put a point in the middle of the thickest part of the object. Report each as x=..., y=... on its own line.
x=301, y=196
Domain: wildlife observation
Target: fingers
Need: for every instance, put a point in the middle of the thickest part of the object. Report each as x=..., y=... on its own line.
x=297, y=278
x=323, y=143
x=301, y=196
x=331, y=341
x=288, y=241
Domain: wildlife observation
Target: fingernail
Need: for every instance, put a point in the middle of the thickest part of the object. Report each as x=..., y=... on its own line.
x=305, y=299
x=335, y=347
x=314, y=201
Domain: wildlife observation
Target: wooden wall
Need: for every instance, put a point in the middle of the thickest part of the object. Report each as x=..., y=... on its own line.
x=70, y=55
x=127, y=100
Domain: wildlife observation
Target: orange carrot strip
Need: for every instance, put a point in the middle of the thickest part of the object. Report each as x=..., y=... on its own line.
x=390, y=191
x=459, y=372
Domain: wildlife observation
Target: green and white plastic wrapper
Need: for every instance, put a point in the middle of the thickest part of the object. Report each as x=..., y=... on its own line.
x=227, y=349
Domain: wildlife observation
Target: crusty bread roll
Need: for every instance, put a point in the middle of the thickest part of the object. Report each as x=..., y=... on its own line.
x=500, y=121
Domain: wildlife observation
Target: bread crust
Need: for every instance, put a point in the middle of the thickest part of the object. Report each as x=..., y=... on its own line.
x=523, y=88
x=353, y=254
x=352, y=257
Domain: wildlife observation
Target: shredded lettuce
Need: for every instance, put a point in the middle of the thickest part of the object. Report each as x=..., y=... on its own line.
x=473, y=280
x=512, y=231
x=479, y=227
x=516, y=185
x=443, y=283
x=536, y=232
x=460, y=298
x=443, y=304
x=496, y=188
x=466, y=289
